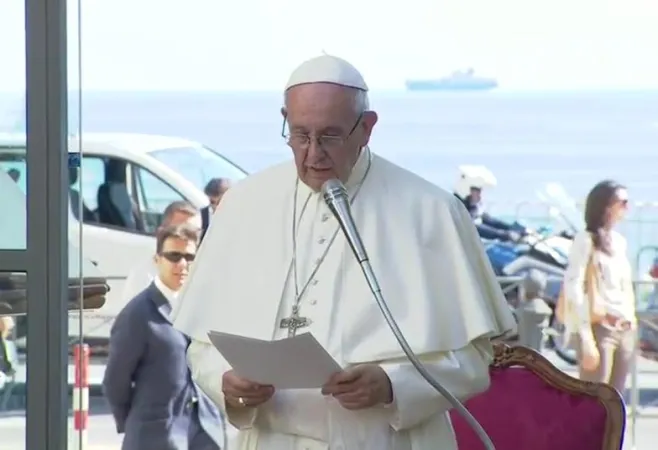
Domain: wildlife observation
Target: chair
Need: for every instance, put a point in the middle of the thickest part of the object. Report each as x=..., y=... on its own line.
x=115, y=204
x=532, y=405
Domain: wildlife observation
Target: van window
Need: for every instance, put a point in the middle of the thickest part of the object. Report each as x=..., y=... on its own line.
x=106, y=193
x=153, y=196
x=13, y=162
x=92, y=170
x=198, y=164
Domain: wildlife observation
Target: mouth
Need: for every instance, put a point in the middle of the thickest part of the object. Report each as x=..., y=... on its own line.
x=320, y=171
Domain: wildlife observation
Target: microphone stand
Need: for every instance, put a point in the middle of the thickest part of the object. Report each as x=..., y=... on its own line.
x=336, y=199
x=371, y=279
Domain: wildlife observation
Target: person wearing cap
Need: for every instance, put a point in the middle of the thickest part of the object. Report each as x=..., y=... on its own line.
x=275, y=264
x=487, y=226
x=469, y=187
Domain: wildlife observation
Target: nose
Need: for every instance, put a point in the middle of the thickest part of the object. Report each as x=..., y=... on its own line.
x=316, y=153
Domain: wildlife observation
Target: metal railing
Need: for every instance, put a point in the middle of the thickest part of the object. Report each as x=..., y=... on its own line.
x=640, y=226
x=644, y=320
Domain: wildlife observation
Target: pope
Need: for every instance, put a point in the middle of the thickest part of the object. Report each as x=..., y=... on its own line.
x=275, y=263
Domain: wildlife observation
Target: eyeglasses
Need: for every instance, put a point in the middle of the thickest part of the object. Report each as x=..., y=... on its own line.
x=176, y=257
x=328, y=143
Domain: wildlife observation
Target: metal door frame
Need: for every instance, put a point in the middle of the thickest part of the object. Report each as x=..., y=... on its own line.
x=45, y=260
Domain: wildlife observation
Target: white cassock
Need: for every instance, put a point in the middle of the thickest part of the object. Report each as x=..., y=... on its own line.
x=432, y=270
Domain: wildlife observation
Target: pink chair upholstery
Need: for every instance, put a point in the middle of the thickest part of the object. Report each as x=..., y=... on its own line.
x=532, y=405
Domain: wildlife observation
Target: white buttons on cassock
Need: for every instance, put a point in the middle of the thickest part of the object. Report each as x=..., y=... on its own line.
x=325, y=217
x=313, y=301
x=321, y=241
x=314, y=282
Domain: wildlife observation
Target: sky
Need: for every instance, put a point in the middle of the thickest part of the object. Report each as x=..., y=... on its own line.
x=255, y=44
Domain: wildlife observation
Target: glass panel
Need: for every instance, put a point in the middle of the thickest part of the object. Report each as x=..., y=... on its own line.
x=13, y=289
x=13, y=226
x=79, y=373
x=13, y=176
x=13, y=223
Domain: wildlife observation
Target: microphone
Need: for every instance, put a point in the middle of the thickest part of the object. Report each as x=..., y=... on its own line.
x=336, y=198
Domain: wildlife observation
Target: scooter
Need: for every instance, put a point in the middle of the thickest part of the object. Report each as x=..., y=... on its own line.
x=543, y=250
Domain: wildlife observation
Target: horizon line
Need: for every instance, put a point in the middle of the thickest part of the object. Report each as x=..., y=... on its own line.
x=494, y=91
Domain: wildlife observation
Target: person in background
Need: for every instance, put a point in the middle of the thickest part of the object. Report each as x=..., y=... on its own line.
x=7, y=369
x=144, y=272
x=75, y=201
x=147, y=382
x=488, y=227
x=598, y=284
x=214, y=190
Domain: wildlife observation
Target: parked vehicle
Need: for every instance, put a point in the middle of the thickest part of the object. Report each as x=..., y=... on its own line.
x=536, y=250
x=146, y=173
x=543, y=249
x=13, y=285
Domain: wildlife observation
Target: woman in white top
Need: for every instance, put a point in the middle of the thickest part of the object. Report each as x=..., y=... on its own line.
x=603, y=299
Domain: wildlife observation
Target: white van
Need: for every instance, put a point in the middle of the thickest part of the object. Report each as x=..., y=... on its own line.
x=145, y=173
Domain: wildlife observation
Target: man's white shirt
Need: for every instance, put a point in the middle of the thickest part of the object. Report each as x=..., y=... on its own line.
x=170, y=295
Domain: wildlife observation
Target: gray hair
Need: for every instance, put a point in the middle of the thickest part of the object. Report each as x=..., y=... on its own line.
x=360, y=99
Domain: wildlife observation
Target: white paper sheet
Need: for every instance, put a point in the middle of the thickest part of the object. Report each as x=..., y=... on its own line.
x=299, y=362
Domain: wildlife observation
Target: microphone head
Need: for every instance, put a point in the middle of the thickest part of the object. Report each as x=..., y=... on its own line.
x=333, y=190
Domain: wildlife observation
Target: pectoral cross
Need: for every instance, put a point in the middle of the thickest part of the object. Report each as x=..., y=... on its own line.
x=294, y=322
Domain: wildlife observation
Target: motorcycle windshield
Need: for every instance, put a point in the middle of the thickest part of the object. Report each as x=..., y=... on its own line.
x=562, y=204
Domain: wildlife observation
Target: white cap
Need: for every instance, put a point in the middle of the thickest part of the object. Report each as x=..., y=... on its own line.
x=327, y=69
x=473, y=177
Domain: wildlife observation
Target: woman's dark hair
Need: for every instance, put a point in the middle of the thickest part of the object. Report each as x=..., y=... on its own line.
x=597, y=207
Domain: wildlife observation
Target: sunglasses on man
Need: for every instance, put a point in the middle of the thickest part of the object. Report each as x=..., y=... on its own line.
x=176, y=257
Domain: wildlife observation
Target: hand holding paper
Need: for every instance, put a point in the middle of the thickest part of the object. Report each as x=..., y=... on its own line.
x=299, y=362
x=240, y=392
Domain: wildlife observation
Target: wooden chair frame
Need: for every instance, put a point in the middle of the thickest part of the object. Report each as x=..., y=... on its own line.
x=506, y=356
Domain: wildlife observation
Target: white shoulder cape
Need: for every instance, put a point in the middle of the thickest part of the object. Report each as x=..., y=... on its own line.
x=431, y=266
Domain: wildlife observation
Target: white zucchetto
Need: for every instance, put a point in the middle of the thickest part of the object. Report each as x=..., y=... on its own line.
x=327, y=69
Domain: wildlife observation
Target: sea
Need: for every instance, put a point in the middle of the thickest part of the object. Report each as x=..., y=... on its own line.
x=527, y=139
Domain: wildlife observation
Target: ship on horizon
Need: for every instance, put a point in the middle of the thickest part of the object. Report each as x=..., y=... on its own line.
x=459, y=80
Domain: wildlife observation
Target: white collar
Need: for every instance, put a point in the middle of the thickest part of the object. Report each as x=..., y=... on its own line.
x=359, y=170
x=169, y=295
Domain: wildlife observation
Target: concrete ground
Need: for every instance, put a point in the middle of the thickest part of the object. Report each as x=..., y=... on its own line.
x=102, y=435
